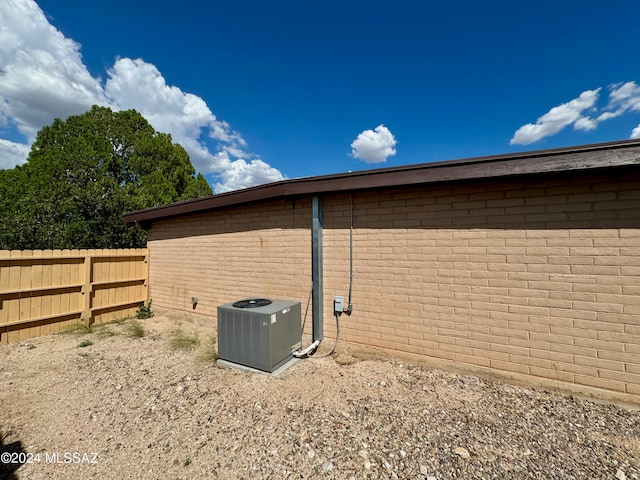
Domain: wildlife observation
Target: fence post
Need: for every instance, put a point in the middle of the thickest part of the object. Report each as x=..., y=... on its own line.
x=86, y=288
x=146, y=274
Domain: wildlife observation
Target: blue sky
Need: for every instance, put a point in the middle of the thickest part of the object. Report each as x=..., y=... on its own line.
x=258, y=91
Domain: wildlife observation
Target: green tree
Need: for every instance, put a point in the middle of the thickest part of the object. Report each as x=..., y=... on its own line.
x=84, y=173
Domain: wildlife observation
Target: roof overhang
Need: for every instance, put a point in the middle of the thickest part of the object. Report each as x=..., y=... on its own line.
x=586, y=157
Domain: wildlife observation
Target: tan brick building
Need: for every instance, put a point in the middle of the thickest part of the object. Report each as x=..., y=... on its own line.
x=525, y=266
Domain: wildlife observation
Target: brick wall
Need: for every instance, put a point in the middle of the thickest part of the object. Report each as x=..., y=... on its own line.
x=222, y=256
x=537, y=280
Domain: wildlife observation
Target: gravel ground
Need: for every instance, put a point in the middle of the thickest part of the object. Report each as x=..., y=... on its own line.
x=134, y=408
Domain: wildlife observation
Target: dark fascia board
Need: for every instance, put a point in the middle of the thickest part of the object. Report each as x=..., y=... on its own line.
x=586, y=157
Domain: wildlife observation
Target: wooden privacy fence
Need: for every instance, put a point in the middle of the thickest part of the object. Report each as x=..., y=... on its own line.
x=43, y=291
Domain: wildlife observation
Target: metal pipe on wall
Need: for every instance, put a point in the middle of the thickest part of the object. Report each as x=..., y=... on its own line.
x=317, y=269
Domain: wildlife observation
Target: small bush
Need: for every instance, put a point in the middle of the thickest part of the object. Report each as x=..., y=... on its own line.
x=85, y=343
x=182, y=341
x=81, y=328
x=210, y=352
x=105, y=331
x=135, y=329
x=144, y=311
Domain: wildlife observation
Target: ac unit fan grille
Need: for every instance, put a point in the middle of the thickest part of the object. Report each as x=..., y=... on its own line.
x=252, y=303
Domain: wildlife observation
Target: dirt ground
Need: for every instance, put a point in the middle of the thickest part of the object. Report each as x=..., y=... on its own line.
x=132, y=407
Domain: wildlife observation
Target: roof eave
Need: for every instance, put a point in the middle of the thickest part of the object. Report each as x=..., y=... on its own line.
x=587, y=157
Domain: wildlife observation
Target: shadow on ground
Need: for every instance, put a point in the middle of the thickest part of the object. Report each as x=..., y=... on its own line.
x=12, y=457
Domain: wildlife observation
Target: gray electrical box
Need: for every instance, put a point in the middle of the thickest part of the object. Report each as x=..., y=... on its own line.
x=258, y=332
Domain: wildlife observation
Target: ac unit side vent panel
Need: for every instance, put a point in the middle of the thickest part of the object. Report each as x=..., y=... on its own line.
x=261, y=337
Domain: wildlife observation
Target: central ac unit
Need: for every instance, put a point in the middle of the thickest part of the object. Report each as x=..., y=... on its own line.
x=259, y=333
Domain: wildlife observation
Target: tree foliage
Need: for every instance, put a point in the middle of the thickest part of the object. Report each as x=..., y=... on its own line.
x=84, y=173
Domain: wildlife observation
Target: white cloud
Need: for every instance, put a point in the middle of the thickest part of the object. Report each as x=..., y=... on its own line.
x=137, y=84
x=220, y=130
x=140, y=85
x=585, y=123
x=12, y=154
x=607, y=116
x=42, y=77
x=558, y=118
x=241, y=174
x=623, y=98
x=374, y=146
